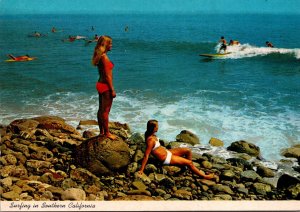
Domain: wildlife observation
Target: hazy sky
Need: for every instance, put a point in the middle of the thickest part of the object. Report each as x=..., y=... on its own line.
x=146, y=6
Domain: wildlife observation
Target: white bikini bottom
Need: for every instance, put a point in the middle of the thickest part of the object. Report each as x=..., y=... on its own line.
x=168, y=158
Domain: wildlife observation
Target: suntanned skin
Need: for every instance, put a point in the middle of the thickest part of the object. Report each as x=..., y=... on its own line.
x=106, y=98
x=180, y=156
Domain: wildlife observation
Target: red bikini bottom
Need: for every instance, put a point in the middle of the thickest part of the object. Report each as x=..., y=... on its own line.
x=102, y=87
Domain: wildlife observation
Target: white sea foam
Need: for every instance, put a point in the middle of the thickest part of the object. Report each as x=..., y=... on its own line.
x=271, y=132
x=247, y=50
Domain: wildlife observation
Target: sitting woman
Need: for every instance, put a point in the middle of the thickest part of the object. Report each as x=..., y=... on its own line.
x=176, y=156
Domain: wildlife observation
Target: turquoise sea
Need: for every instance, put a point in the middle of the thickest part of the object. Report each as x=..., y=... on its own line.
x=252, y=94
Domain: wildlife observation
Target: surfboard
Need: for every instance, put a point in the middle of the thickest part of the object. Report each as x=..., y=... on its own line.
x=27, y=59
x=214, y=55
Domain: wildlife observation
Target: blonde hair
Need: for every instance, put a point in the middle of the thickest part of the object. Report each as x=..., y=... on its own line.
x=101, y=48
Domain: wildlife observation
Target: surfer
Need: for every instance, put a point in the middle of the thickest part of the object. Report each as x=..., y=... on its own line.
x=175, y=156
x=96, y=37
x=233, y=42
x=104, y=85
x=223, y=44
x=37, y=34
x=73, y=38
x=19, y=58
x=53, y=29
x=269, y=44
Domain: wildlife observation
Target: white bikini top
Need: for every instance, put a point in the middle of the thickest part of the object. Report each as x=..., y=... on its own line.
x=157, y=144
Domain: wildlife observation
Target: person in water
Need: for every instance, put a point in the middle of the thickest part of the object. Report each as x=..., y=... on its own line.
x=268, y=44
x=175, y=156
x=104, y=85
x=37, y=34
x=233, y=42
x=96, y=37
x=19, y=58
x=223, y=45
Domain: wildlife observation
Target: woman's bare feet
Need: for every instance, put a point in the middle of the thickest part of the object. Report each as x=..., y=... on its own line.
x=208, y=176
x=111, y=136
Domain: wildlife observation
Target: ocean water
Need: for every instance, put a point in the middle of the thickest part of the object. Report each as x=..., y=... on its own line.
x=251, y=94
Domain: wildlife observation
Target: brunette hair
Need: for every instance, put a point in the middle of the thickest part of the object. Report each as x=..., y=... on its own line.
x=101, y=47
x=151, y=124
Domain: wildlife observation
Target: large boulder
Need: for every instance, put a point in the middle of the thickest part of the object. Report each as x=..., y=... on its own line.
x=103, y=156
x=286, y=181
x=23, y=124
x=216, y=142
x=56, y=123
x=186, y=136
x=245, y=147
x=293, y=152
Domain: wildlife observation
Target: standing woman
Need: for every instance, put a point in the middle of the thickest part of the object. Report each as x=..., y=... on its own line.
x=177, y=156
x=105, y=83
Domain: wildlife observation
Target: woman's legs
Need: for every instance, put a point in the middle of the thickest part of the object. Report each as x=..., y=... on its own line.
x=177, y=160
x=105, y=109
x=182, y=152
x=99, y=115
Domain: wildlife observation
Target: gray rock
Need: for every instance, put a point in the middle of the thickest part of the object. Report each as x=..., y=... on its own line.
x=186, y=136
x=102, y=156
x=138, y=155
x=22, y=124
x=171, y=170
x=73, y=194
x=264, y=171
x=139, y=192
x=150, y=168
x=13, y=171
x=245, y=147
x=222, y=188
x=293, y=152
x=88, y=134
x=139, y=185
x=22, y=148
x=183, y=194
x=134, y=197
x=243, y=190
x=132, y=168
x=294, y=191
x=207, y=164
x=55, y=123
x=228, y=174
x=160, y=192
x=238, y=162
x=10, y=159
x=144, y=178
x=136, y=138
x=82, y=175
x=175, y=144
x=262, y=188
x=222, y=197
x=216, y=142
x=11, y=195
x=286, y=181
x=88, y=122
x=250, y=175
x=6, y=182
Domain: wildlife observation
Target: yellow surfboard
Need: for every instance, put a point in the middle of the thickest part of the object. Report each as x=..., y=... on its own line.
x=214, y=55
x=27, y=59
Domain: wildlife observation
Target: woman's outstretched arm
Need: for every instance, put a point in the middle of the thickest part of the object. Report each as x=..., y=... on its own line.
x=150, y=144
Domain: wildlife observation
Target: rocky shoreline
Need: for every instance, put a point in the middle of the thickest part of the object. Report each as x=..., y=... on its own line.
x=44, y=158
